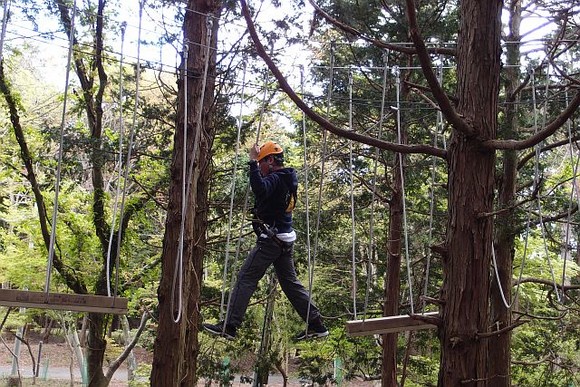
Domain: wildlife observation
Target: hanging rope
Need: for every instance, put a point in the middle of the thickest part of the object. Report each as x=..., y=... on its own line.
x=7, y=4
x=572, y=191
x=351, y=183
x=374, y=186
x=178, y=268
x=537, y=171
x=60, y=152
x=321, y=184
x=438, y=128
x=397, y=73
x=247, y=194
x=177, y=285
x=306, y=178
x=233, y=191
x=131, y=143
x=119, y=166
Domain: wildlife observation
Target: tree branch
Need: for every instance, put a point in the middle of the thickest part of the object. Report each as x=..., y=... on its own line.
x=540, y=136
x=381, y=144
x=376, y=42
x=446, y=107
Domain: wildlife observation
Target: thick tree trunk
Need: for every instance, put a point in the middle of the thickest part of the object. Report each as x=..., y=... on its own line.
x=500, y=314
x=466, y=280
x=176, y=343
x=196, y=29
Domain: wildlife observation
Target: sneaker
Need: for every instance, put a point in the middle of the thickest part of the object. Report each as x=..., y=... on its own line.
x=313, y=332
x=218, y=329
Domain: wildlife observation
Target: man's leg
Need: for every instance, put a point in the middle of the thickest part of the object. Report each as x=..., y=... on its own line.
x=293, y=288
x=252, y=270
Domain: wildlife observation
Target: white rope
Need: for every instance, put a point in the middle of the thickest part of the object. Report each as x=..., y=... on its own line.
x=7, y=4
x=131, y=143
x=233, y=192
x=572, y=191
x=352, y=214
x=247, y=196
x=374, y=187
x=178, y=267
x=537, y=167
x=306, y=178
x=321, y=184
x=119, y=167
x=438, y=128
x=190, y=168
x=60, y=152
x=401, y=171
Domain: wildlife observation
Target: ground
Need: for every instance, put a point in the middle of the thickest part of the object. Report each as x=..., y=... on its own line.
x=55, y=366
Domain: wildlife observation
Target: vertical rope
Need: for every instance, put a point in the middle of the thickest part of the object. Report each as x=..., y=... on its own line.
x=178, y=268
x=131, y=143
x=306, y=178
x=438, y=128
x=374, y=186
x=537, y=174
x=401, y=171
x=233, y=191
x=351, y=182
x=247, y=195
x=321, y=183
x=119, y=165
x=4, y=24
x=60, y=152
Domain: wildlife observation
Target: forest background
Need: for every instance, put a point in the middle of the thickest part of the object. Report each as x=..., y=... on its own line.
x=371, y=222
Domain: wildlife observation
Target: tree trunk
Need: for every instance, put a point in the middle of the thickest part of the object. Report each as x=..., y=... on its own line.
x=196, y=30
x=466, y=263
x=176, y=343
x=393, y=277
x=500, y=315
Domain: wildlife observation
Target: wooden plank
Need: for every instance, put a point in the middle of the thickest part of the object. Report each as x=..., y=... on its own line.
x=389, y=324
x=63, y=301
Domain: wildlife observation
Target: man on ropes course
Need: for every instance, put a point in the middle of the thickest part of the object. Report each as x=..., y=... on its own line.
x=274, y=188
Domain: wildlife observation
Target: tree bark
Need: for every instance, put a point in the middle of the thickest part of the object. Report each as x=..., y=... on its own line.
x=469, y=239
x=176, y=344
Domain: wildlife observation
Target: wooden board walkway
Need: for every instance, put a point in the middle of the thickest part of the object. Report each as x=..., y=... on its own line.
x=389, y=324
x=63, y=301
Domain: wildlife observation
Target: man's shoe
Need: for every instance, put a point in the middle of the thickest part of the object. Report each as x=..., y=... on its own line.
x=218, y=329
x=313, y=332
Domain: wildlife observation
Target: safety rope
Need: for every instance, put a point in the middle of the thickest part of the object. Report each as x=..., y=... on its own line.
x=6, y=10
x=351, y=184
x=131, y=143
x=397, y=73
x=247, y=197
x=177, y=285
x=306, y=185
x=438, y=128
x=321, y=183
x=60, y=154
x=233, y=190
x=374, y=186
x=119, y=166
x=537, y=169
x=178, y=267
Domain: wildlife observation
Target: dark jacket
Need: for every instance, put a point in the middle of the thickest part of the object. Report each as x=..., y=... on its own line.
x=272, y=196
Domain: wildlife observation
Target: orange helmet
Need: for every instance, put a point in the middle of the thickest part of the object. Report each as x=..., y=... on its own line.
x=269, y=148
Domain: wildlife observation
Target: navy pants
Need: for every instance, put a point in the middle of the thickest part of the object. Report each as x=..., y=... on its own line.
x=267, y=252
